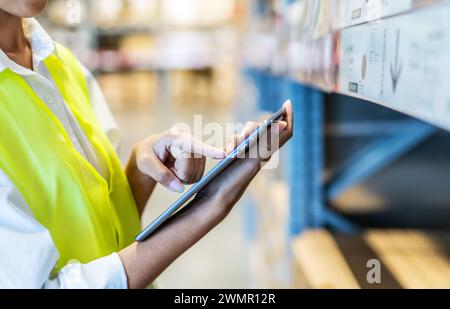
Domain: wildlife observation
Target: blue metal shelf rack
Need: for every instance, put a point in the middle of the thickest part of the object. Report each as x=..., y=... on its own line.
x=309, y=194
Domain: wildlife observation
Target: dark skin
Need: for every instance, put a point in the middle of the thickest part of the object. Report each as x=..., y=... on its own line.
x=160, y=159
x=17, y=48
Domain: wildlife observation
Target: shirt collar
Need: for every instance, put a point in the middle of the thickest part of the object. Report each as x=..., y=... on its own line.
x=41, y=44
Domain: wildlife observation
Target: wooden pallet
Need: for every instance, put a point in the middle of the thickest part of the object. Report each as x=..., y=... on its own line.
x=407, y=259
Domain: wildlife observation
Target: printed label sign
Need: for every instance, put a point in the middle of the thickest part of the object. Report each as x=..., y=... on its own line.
x=402, y=63
x=355, y=12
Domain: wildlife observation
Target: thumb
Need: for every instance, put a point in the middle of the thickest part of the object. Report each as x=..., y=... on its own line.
x=153, y=167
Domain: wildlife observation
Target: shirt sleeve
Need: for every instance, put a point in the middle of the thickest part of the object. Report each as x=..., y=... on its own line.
x=29, y=254
x=101, y=109
x=105, y=272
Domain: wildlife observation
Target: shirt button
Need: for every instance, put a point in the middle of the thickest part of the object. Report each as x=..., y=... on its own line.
x=48, y=99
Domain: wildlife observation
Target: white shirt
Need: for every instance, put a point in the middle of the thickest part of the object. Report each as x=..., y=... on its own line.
x=28, y=253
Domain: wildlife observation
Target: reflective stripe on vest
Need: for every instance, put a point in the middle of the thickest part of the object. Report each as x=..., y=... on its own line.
x=87, y=216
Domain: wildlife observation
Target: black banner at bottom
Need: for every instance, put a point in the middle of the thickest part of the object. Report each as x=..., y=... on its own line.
x=225, y=298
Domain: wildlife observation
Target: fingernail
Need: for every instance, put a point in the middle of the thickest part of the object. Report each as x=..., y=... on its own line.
x=220, y=154
x=176, y=186
x=216, y=153
x=230, y=146
x=282, y=124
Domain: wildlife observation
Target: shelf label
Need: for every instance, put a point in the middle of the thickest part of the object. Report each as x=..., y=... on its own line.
x=402, y=63
x=355, y=12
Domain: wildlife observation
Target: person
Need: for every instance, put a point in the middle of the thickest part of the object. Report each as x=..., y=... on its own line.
x=68, y=211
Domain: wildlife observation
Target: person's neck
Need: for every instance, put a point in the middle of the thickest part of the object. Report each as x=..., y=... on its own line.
x=12, y=36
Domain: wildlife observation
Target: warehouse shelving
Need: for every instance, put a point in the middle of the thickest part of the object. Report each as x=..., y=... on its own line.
x=96, y=37
x=124, y=38
x=311, y=196
x=363, y=60
x=306, y=65
x=304, y=50
x=309, y=192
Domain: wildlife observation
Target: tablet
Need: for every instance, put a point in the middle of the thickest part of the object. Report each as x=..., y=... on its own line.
x=238, y=151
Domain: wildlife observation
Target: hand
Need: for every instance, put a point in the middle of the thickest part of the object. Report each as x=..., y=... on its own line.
x=171, y=158
x=227, y=188
x=174, y=158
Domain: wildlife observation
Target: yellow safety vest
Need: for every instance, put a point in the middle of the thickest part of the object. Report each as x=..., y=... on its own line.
x=87, y=216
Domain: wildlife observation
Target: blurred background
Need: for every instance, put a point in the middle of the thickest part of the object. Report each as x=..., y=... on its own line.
x=359, y=181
